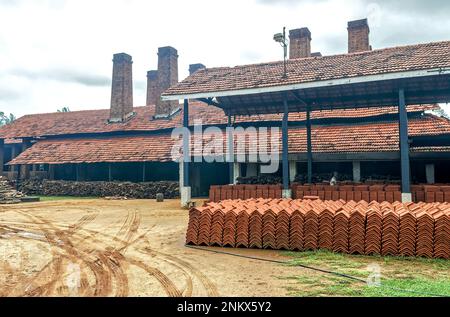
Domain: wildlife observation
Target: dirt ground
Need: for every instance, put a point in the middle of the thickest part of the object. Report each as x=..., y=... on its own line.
x=121, y=248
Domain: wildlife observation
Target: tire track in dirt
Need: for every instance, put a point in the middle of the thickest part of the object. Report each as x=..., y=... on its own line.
x=111, y=261
x=209, y=286
x=58, y=239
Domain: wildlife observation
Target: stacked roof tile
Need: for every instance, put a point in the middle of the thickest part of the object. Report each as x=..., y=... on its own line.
x=345, y=227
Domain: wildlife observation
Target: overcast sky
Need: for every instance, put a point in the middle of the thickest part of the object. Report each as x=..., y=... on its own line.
x=58, y=53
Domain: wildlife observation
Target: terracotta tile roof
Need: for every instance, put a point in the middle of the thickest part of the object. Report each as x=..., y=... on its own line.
x=96, y=121
x=357, y=138
x=93, y=150
x=389, y=60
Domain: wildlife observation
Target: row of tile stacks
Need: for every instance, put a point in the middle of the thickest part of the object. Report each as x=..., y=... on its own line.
x=219, y=193
x=346, y=227
x=369, y=193
x=375, y=192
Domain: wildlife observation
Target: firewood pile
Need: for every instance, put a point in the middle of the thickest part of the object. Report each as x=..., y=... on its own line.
x=101, y=189
x=8, y=195
x=260, y=180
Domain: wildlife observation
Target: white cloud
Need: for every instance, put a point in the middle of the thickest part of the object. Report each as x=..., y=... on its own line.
x=59, y=52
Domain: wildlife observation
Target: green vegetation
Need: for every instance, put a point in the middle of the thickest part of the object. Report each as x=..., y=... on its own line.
x=399, y=277
x=6, y=119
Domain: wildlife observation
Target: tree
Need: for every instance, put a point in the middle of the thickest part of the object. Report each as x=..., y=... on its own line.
x=64, y=109
x=5, y=119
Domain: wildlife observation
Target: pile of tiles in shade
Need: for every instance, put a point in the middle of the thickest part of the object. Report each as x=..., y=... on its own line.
x=346, y=227
x=226, y=192
x=372, y=192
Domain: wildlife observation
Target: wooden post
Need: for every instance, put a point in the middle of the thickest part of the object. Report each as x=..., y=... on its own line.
x=143, y=172
x=25, y=169
x=109, y=172
x=2, y=155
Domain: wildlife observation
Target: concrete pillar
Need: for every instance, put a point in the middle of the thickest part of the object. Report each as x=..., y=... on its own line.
x=356, y=171
x=404, y=148
x=292, y=170
x=430, y=172
x=185, y=189
x=237, y=172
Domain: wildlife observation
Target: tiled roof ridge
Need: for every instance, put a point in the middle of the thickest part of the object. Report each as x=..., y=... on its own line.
x=292, y=61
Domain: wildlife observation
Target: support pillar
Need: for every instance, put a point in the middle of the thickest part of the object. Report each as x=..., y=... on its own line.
x=185, y=190
x=2, y=155
x=356, y=171
x=309, y=144
x=143, y=172
x=13, y=168
x=237, y=172
x=25, y=169
x=110, y=178
x=287, y=193
x=231, y=150
x=430, y=173
x=404, y=148
x=51, y=172
x=252, y=170
x=292, y=170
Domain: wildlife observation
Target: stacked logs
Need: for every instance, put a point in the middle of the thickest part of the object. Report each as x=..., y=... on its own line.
x=396, y=229
x=101, y=189
x=7, y=194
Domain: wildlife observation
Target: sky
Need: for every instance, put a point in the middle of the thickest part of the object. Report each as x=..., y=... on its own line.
x=58, y=53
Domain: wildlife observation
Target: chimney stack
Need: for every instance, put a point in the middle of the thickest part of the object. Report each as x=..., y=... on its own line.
x=122, y=88
x=300, y=43
x=167, y=77
x=193, y=68
x=358, y=36
x=152, y=87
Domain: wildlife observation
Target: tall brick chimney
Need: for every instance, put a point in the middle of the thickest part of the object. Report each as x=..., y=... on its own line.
x=167, y=77
x=300, y=43
x=193, y=68
x=152, y=87
x=358, y=36
x=122, y=88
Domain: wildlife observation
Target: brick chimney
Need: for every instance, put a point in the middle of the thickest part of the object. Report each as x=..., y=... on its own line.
x=167, y=77
x=300, y=43
x=358, y=36
x=152, y=87
x=193, y=68
x=122, y=88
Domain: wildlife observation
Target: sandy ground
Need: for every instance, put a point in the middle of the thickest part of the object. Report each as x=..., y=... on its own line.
x=121, y=248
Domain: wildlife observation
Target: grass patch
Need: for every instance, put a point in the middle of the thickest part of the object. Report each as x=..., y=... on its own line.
x=58, y=198
x=398, y=277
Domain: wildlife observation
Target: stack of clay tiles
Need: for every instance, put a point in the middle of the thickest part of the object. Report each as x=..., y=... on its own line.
x=226, y=192
x=374, y=228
